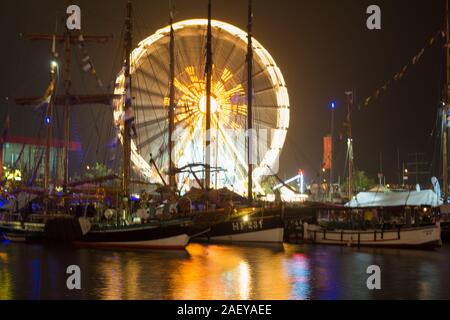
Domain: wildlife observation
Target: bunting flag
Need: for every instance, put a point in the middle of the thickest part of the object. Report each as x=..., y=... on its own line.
x=327, y=152
x=401, y=74
x=88, y=65
x=45, y=101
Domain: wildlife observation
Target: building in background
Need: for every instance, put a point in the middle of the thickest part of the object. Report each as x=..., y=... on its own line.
x=21, y=157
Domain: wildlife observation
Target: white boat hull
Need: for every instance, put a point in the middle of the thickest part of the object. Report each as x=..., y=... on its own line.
x=429, y=236
x=274, y=235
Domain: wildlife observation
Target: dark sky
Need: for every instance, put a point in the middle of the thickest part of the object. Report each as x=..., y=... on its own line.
x=322, y=47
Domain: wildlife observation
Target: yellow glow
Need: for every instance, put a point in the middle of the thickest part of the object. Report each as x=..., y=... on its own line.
x=202, y=105
x=245, y=218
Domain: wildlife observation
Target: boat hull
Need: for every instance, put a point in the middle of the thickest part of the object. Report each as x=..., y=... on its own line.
x=274, y=235
x=17, y=232
x=420, y=237
x=256, y=230
x=145, y=237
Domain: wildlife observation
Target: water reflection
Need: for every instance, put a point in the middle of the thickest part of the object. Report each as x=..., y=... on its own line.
x=299, y=273
x=223, y=272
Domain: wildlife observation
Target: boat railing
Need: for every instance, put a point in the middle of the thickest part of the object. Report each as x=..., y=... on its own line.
x=379, y=235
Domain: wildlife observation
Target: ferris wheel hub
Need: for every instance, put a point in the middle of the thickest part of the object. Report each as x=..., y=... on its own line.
x=214, y=104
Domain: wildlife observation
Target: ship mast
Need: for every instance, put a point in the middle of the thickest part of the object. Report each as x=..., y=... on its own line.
x=446, y=108
x=209, y=64
x=67, y=100
x=67, y=86
x=127, y=104
x=250, y=101
x=172, y=181
x=350, y=144
x=49, y=124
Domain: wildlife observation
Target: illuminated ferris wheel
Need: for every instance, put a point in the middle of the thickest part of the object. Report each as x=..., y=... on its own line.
x=150, y=86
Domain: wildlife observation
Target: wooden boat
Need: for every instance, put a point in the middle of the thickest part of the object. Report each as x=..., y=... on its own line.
x=166, y=236
x=22, y=232
x=381, y=219
x=415, y=237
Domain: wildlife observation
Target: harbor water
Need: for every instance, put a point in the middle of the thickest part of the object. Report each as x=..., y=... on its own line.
x=223, y=272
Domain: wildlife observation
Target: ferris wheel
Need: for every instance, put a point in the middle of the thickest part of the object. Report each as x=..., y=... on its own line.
x=150, y=87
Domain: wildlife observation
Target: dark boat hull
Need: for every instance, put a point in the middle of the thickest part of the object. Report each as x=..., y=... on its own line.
x=257, y=229
x=26, y=232
x=174, y=237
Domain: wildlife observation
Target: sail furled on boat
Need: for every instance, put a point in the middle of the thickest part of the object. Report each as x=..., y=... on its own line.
x=414, y=198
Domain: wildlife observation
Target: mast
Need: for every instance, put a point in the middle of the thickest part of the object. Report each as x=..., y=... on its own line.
x=250, y=101
x=127, y=103
x=350, y=144
x=172, y=181
x=446, y=108
x=67, y=100
x=67, y=86
x=49, y=124
x=208, y=101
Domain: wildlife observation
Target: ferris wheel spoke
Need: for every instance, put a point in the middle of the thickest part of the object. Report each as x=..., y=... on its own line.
x=148, y=92
x=161, y=66
x=264, y=90
x=150, y=123
x=157, y=79
x=151, y=140
x=152, y=60
x=230, y=55
x=149, y=107
x=273, y=107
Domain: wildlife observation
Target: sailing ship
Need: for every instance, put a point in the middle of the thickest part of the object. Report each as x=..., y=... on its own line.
x=156, y=234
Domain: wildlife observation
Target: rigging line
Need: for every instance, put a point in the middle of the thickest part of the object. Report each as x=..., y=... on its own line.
x=437, y=132
x=139, y=30
x=159, y=87
x=152, y=67
x=113, y=76
x=83, y=83
x=231, y=55
x=161, y=129
x=303, y=155
x=202, y=57
x=139, y=138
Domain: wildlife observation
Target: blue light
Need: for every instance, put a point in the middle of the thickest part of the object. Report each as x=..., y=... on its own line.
x=333, y=105
x=47, y=120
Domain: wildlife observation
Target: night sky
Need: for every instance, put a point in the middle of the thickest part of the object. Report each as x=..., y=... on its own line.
x=322, y=47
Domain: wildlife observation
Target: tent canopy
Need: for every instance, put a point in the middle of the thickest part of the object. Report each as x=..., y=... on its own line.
x=394, y=199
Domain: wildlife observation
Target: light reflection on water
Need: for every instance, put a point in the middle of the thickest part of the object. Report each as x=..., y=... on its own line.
x=223, y=272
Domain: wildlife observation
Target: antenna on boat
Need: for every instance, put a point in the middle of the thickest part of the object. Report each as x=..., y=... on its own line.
x=209, y=64
x=172, y=180
x=250, y=101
